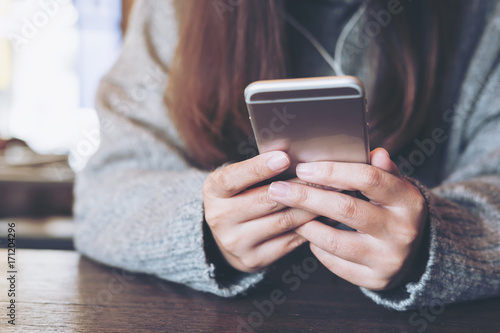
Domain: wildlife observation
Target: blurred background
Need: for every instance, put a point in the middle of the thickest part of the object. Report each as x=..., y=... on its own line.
x=52, y=56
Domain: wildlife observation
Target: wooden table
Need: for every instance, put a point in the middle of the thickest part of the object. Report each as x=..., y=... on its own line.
x=60, y=291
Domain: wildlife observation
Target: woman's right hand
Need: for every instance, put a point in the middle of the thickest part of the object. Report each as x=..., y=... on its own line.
x=251, y=230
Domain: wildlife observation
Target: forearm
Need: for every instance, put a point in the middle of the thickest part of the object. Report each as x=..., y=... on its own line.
x=152, y=223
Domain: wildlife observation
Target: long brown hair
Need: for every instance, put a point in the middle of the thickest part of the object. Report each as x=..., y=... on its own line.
x=219, y=53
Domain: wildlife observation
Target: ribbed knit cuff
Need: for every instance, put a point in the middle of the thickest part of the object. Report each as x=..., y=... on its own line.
x=405, y=296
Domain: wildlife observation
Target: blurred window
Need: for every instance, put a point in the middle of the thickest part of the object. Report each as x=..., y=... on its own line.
x=52, y=56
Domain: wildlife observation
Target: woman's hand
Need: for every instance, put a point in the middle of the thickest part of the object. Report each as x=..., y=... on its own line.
x=389, y=227
x=251, y=230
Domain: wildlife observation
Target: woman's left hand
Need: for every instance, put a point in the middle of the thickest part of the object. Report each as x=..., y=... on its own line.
x=389, y=227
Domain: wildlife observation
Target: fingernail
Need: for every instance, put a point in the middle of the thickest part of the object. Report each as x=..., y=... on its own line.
x=305, y=169
x=278, y=162
x=279, y=189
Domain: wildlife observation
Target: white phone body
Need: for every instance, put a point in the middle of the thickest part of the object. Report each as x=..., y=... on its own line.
x=311, y=119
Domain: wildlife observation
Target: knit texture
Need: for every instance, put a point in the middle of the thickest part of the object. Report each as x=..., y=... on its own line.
x=139, y=204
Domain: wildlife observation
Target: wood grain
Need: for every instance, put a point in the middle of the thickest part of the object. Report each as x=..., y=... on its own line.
x=59, y=291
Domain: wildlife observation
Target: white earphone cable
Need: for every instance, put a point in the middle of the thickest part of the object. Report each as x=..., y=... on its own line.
x=322, y=51
x=347, y=29
x=331, y=61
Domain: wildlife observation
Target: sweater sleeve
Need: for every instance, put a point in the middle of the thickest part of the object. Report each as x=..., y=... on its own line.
x=139, y=203
x=462, y=248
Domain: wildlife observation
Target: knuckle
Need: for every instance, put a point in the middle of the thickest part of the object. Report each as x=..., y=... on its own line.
x=371, y=177
x=295, y=241
x=300, y=194
x=332, y=243
x=265, y=200
x=399, y=262
x=212, y=220
x=408, y=236
x=381, y=283
x=327, y=171
x=285, y=220
x=419, y=203
x=213, y=217
x=252, y=263
x=347, y=208
x=394, y=261
x=230, y=243
x=258, y=171
x=224, y=181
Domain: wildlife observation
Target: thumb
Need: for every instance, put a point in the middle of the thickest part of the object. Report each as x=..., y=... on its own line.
x=380, y=158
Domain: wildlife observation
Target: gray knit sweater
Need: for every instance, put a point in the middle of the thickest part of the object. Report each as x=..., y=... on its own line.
x=139, y=202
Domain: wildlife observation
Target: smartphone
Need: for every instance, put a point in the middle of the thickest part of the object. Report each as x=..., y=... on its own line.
x=311, y=119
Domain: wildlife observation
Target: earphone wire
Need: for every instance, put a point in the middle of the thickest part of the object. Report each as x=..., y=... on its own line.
x=348, y=28
x=331, y=61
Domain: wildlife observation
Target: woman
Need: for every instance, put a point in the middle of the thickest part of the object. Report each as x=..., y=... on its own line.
x=167, y=192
